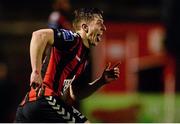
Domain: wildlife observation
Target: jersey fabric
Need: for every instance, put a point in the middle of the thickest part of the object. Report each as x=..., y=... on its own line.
x=63, y=65
x=66, y=62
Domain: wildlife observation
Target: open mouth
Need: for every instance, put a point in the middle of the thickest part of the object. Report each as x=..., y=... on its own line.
x=99, y=37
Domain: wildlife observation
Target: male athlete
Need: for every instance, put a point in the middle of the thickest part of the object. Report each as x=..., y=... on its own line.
x=60, y=73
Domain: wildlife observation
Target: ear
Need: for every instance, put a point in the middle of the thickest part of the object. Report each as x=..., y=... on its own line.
x=85, y=27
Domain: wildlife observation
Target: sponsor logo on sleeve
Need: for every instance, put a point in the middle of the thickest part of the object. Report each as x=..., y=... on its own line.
x=67, y=35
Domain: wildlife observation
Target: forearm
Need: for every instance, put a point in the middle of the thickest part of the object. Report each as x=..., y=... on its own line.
x=84, y=90
x=39, y=41
x=87, y=90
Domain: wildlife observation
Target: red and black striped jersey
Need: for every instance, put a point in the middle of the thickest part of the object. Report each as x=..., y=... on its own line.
x=64, y=63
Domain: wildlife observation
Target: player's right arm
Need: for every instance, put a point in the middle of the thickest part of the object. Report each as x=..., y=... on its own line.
x=40, y=39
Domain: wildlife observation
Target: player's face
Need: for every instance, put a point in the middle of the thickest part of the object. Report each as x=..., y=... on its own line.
x=95, y=30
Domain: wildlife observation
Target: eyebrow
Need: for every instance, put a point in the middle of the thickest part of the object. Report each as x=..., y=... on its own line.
x=100, y=20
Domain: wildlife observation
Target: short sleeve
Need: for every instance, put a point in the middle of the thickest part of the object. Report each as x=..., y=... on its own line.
x=64, y=39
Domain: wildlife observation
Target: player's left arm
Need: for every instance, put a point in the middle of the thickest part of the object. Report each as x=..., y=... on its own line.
x=84, y=90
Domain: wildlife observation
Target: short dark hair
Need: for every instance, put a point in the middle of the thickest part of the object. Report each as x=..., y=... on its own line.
x=85, y=14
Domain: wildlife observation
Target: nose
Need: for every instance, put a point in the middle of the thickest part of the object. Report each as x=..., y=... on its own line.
x=103, y=27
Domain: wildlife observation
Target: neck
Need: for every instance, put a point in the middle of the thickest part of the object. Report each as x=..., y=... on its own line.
x=84, y=39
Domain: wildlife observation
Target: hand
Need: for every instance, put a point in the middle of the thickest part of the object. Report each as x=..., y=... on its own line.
x=35, y=80
x=110, y=73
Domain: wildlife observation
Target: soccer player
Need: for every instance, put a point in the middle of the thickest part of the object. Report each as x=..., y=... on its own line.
x=62, y=70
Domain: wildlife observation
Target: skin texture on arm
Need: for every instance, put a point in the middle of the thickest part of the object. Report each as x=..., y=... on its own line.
x=40, y=39
x=79, y=92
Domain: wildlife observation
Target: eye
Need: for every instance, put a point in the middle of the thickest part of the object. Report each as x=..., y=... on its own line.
x=99, y=23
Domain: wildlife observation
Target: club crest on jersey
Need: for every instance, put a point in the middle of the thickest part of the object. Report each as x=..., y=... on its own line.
x=67, y=83
x=67, y=35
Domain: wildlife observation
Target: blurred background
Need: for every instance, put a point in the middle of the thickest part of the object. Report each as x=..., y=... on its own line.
x=141, y=34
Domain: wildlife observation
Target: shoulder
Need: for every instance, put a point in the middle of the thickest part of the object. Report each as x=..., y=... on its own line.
x=65, y=39
x=66, y=35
